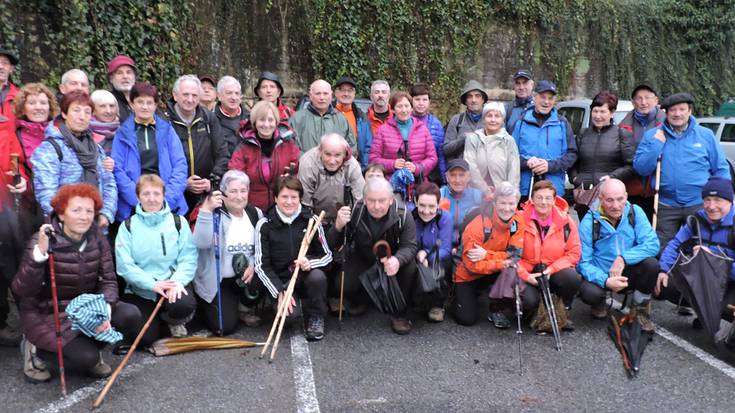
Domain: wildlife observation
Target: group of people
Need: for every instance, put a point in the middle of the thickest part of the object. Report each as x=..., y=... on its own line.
x=204, y=201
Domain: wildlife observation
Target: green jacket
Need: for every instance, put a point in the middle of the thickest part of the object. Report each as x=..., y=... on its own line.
x=309, y=127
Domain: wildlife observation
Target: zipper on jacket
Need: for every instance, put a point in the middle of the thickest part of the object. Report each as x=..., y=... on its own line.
x=163, y=245
x=191, y=151
x=145, y=131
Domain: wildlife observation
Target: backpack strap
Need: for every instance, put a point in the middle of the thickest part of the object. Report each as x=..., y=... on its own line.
x=177, y=222
x=252, y=214
x=459, y=121
x=57, y=148
x=595, y=231
x=567, y=231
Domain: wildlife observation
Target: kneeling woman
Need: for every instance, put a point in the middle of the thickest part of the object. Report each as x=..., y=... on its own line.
x=485, y=244
x=156, y=256
x=277, y=242
x=236, y=231
x=550, y=246
x=83, y=265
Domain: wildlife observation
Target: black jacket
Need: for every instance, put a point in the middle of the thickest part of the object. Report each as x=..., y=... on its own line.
x=602, y=152
x=123, y=107
x=231, y=127
x=398, y=229
x=277, y=246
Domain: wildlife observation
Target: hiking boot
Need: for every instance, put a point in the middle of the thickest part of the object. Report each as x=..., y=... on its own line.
x=9, y=337
x=568, y=327
x=334, y=305
x=100, y=370
x=355, y=309
x=400, y=325
x=248, y=316
x=643, y=313
x=34, y=368
x=684, y=311
x=499, y=320
x=599, y=311
x=436, y=314
x=178, y=330
x=120, y=348
x=315, y=329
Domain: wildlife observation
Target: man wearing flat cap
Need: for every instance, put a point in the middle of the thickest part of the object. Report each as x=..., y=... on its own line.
x=645, y=116
x=689, y=155
x=7, y=89
x=473, y=97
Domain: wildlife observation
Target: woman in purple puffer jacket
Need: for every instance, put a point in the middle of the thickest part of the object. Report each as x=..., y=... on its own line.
x=404, y=142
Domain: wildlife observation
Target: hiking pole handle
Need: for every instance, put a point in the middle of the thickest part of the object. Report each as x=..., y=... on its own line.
x=118, y=370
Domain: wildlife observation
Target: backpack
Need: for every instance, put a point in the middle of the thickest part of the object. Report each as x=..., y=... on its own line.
x=177, y=222
x=596, y=224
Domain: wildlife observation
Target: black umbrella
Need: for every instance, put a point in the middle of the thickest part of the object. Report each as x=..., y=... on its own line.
x=383, y=290
x=702, y=278
x=630, y=340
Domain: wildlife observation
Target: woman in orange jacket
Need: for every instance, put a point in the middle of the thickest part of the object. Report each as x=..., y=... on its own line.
x=485, y=244
x=550, y=246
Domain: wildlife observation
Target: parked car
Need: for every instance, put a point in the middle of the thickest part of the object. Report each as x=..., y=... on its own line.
x=362, y=103
x=724, y=130
x=578, y=112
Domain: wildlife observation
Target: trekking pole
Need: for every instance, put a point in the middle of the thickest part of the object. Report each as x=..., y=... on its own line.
x=55, y=300
x=101, y=398
x=655, y=194
x=216, y=218
x=348, y=201
x=515, y=256
x=549, y=302
x=530, y=185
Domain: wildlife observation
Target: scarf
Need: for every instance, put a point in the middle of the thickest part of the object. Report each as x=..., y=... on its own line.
x=106, y=129
x=642, y=118
x=86, y=150
x=474, y=116
x=31, y=135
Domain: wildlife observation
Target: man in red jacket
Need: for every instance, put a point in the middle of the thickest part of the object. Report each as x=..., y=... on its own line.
x=7, y=88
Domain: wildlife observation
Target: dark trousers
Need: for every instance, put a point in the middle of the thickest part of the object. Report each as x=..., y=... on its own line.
x=83, y=353
x=670, y=219
x=406, y=277
x=673, y=295
x=564, y=283
x=311, y=287
x=641, y=277
x=231, y=294
x=465, y=307
x=171, y=313
x=4, y=303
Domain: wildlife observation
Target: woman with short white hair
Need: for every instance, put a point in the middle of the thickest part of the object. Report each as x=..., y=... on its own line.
x=236, y=230
x=105, y=120
x=491, y=152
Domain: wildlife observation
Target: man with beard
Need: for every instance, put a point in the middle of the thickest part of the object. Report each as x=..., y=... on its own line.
x=379, y=110
x=122, y=74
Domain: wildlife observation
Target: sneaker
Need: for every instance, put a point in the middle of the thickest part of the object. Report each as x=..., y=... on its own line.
x=400, y=325
x=100, y=370
x=9, y=337
x=34, y=368
x=499, y=320
x=178, y=331
x=436, y=314
x=248, y=316
x=599, y=311
x=315, y=329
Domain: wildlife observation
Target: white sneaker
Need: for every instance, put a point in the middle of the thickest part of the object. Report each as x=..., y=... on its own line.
x=34, y=368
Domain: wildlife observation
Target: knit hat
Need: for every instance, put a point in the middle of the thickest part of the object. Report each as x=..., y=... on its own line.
x=120, y=60
x=719, y=187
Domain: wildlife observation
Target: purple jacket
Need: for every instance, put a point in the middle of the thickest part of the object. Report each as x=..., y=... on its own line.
x=388, y=142
x=427, y=233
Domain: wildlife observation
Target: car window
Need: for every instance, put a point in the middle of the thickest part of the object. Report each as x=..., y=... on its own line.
x=574, y=116
x=711, y=126
x=618, y=116
x=728, y=133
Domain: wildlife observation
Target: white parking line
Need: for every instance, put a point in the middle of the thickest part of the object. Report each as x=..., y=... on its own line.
x=303, y=375
x=92, y=389
x=718, y=364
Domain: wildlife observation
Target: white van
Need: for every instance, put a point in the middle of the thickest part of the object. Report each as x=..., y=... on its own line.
x=724, y=129
x=578, y=112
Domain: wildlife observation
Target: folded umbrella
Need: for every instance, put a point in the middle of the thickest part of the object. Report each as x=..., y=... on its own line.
x=401, y=180
x=702, y=279
x=630, y=340
x=384, y=291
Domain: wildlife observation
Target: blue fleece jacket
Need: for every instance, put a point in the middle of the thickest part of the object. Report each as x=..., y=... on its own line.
x=633, y=244
x=687, y=162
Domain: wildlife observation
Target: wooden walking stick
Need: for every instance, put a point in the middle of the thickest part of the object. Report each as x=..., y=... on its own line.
x=55, y=301
x=118, y=370
x=655, y=194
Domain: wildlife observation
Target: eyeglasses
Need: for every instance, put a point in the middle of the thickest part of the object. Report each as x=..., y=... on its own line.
x=644, y=98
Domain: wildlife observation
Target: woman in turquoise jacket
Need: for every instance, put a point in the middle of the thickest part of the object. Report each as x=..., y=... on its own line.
x=156, y=256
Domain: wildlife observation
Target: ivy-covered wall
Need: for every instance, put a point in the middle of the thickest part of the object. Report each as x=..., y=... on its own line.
x=584, y=45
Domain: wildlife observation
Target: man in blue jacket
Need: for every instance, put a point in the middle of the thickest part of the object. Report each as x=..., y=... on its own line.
x=460, y=196
x=716, y=231
x=545, y=141
x=689, y=156
x=619, y=248
x=523, y=86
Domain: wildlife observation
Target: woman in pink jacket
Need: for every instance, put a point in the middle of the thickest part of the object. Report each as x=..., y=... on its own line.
x=403, y=141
